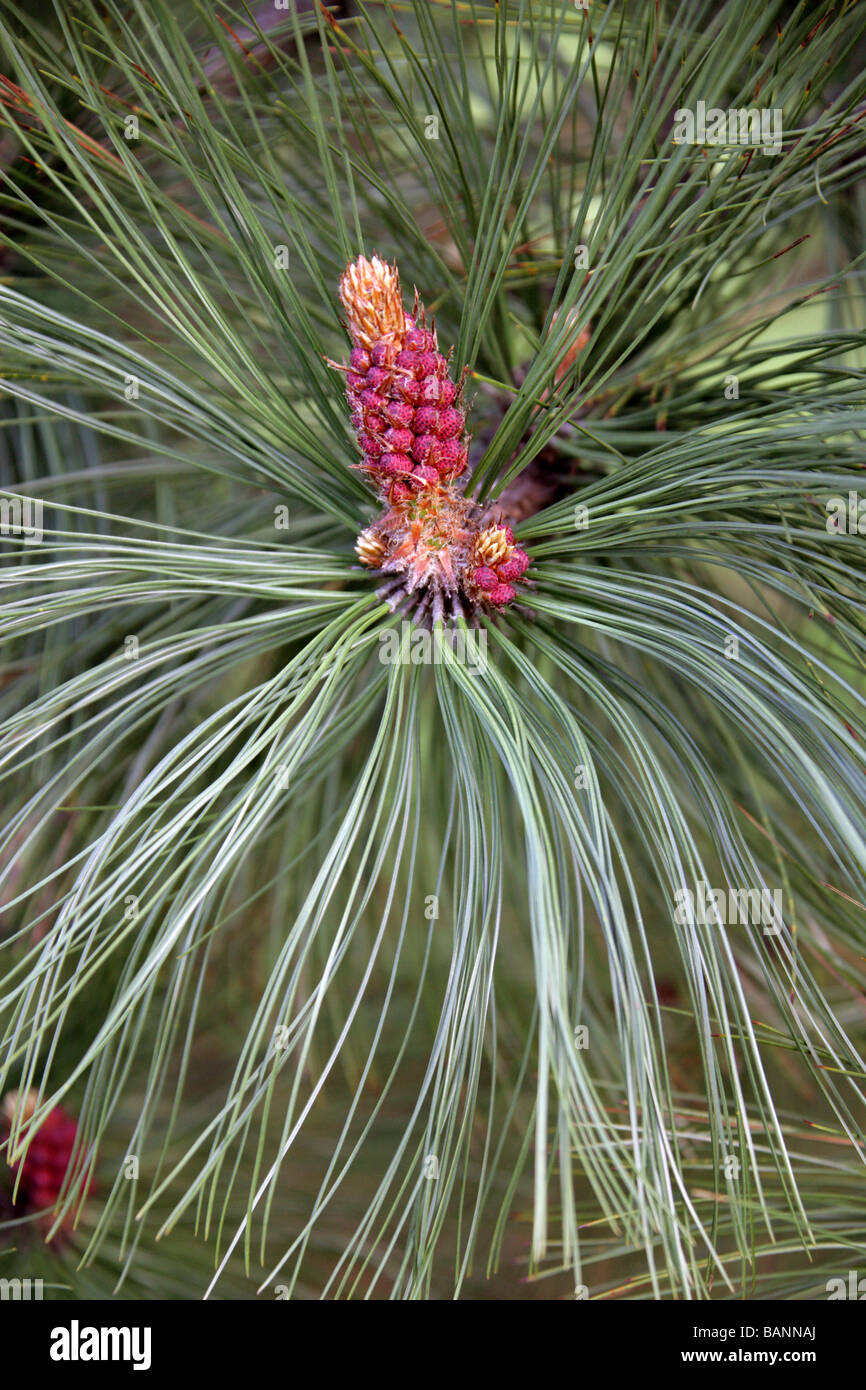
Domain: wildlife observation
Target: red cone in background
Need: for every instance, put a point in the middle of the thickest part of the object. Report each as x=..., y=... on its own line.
x=40, y=1174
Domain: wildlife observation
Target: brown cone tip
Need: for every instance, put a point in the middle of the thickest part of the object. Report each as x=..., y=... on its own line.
x=370, y=294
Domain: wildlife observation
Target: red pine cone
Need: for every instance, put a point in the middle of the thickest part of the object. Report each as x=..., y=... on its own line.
x=41, y=1172
x=431, y=542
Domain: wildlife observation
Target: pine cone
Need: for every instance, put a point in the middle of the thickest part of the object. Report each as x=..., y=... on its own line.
x=442, y=557
x=44, y=1166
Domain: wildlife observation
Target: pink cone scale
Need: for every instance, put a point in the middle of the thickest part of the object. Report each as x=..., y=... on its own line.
x=383, y=401
x=440, y=559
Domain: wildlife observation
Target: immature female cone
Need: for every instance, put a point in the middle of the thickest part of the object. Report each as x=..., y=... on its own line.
x=441, y=559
